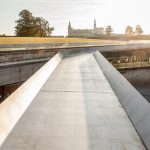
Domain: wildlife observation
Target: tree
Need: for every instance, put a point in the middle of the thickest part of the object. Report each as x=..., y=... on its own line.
x=108, y=30
x=42, y=27
x=3, y=35
x=138, y=30
x=28, y=25
x=129, y=30
x=25, y=24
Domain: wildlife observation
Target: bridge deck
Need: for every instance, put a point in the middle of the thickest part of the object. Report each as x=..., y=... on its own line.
x=76, y=109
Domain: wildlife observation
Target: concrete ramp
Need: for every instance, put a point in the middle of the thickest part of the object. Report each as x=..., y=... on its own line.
x=76, y=109
x=136, y=106
x=14, y=106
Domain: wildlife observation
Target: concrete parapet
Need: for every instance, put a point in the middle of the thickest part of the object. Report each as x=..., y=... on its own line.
x=16, y=104
x=135, y=105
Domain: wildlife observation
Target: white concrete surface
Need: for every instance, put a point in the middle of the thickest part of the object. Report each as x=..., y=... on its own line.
x=16, y=104
x=136, y=106
x=76, y=109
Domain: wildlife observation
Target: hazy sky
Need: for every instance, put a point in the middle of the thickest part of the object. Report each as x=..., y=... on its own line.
x=81, y=13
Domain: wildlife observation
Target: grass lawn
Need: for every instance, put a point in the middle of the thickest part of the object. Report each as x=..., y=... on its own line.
x=27, y=40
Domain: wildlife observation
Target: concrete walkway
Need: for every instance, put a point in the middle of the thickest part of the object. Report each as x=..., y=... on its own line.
x=75, y=110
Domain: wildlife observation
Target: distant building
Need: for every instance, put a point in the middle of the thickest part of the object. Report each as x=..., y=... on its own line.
x=85, y=32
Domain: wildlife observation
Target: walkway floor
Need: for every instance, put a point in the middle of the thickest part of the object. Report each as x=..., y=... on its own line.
x=75, y=110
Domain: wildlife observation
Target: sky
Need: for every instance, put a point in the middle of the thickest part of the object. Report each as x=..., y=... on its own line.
x=81, y=14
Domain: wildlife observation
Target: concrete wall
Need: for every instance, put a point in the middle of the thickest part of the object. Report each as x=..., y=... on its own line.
x=19, y=54
x=140, y=79
x=9, y=56
x=16, y=104
x=18, y=73
x=135, y=105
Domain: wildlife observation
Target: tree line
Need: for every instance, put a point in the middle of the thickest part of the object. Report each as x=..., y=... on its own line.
x=31, y=26
x=138, y=30
x=108, y=30
x=128, y=31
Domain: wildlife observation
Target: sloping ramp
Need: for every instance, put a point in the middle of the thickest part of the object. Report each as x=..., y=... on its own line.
x=76, y=109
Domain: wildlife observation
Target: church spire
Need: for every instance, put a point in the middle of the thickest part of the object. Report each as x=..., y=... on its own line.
x=69, y=29
x=69, y=26
x=94, y=23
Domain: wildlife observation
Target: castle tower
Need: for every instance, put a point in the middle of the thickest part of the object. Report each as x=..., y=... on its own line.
x=95, y=24
x=69, y=29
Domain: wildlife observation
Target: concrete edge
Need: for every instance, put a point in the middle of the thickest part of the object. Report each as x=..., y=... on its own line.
x=107, y=47
x=15, y=105
x=61, y=48
x=135, y=105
